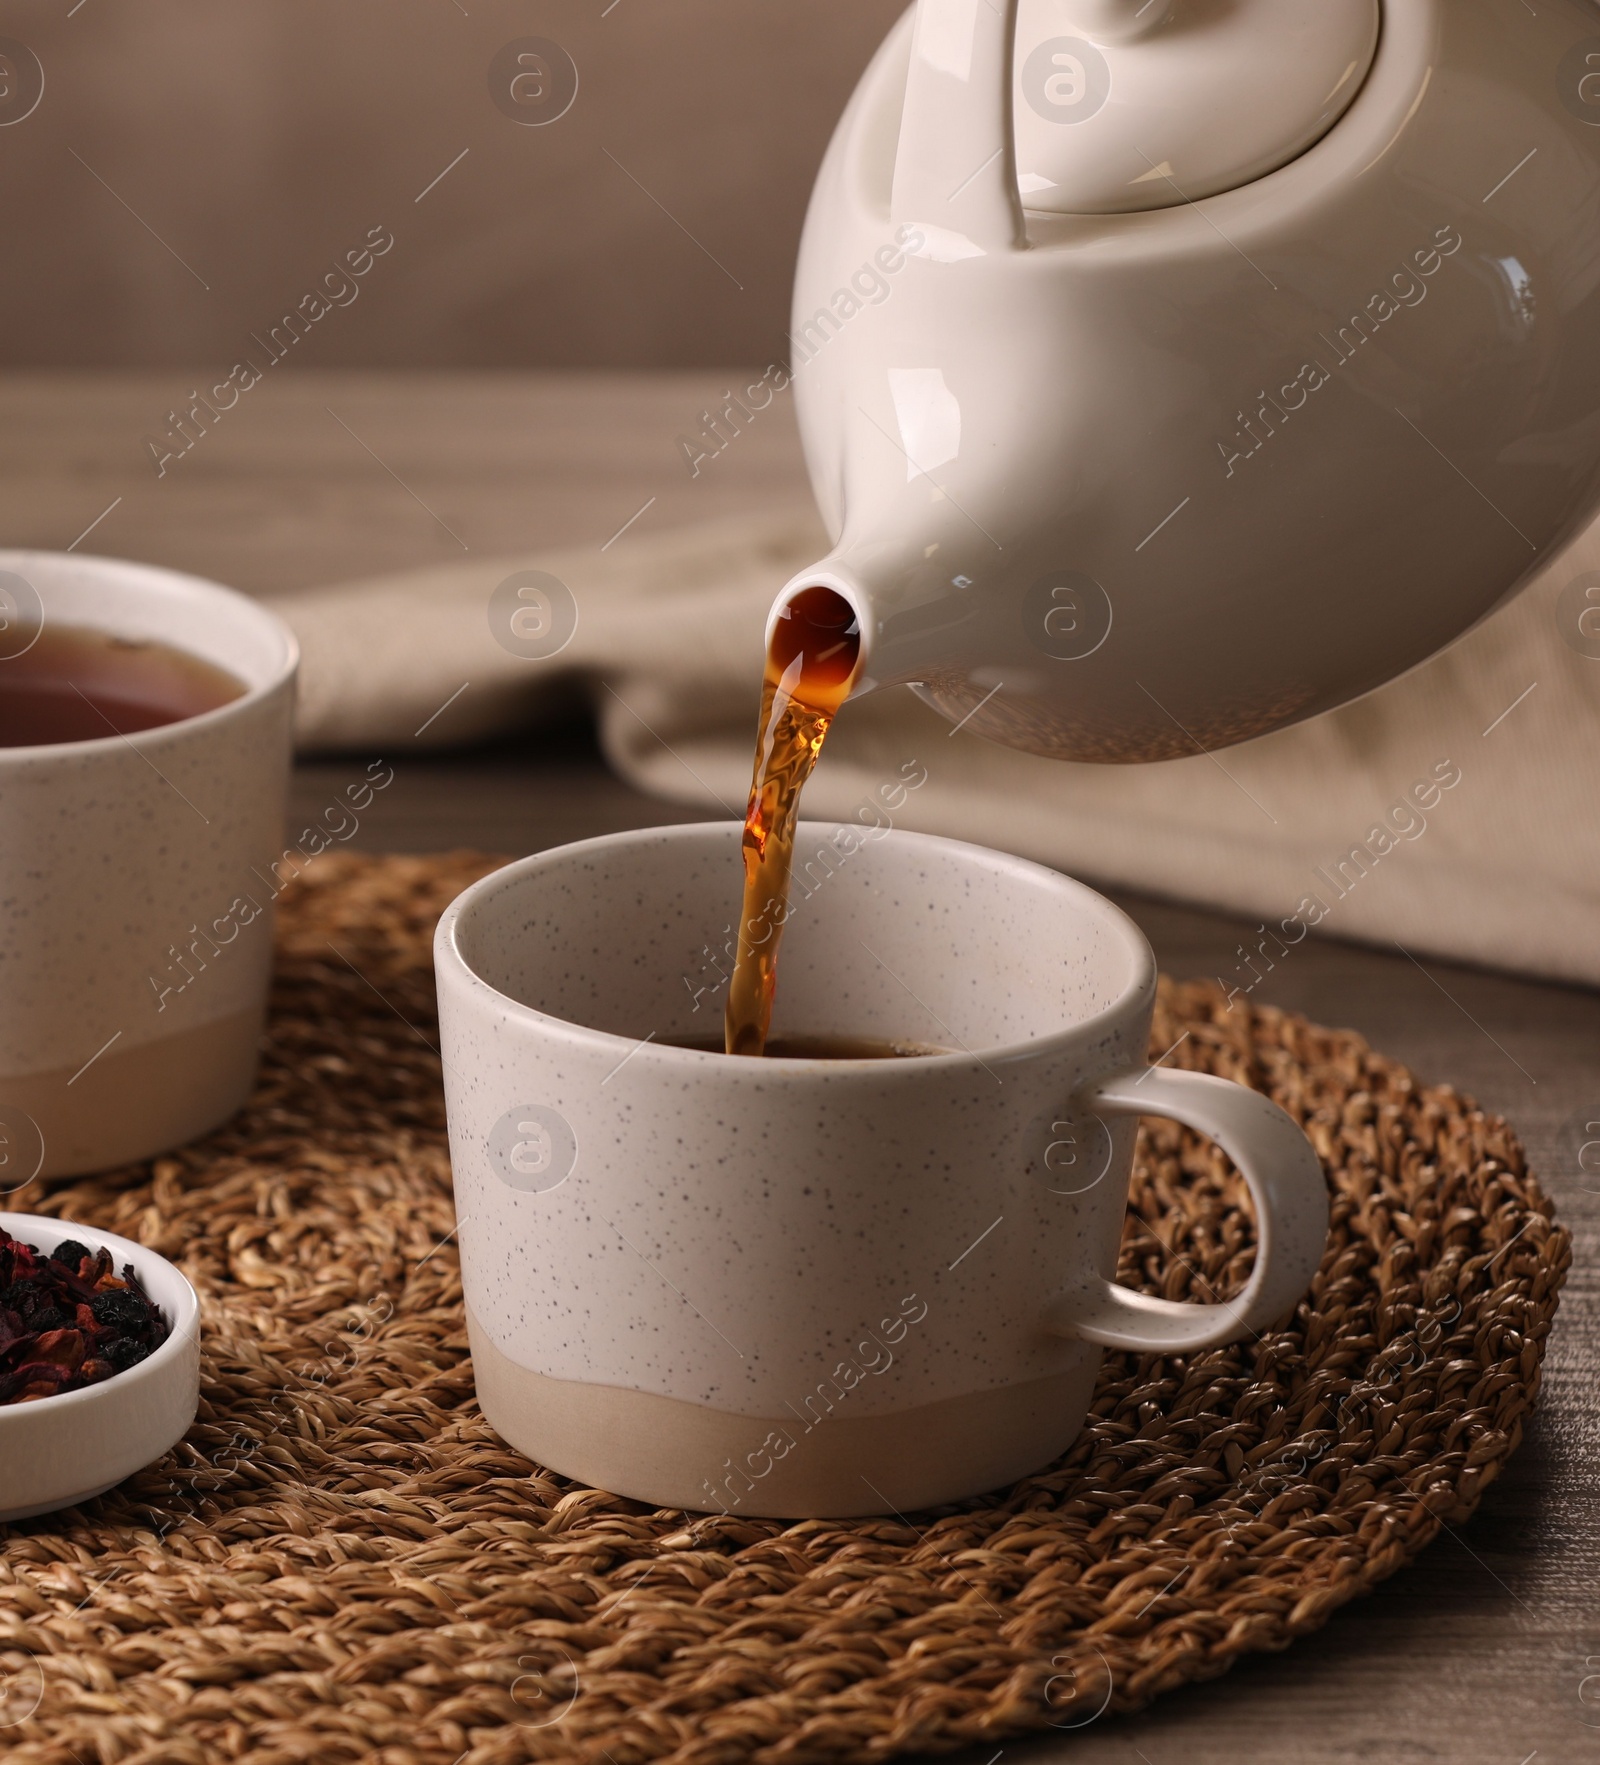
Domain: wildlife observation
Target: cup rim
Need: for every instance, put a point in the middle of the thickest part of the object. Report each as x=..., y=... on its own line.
x=266, y=621
x=185, y=1323
x=1141, y=987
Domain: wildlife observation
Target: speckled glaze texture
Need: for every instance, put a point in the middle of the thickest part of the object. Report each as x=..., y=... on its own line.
x=117, y=855
x=744, y=1235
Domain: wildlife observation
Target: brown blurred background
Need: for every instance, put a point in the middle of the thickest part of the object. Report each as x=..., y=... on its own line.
x=193, y=168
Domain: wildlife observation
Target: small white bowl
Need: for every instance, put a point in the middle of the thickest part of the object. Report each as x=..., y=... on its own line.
x=57, y=1451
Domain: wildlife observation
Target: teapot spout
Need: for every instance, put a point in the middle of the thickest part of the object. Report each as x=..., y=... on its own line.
x=916, y=623
x=852, y=613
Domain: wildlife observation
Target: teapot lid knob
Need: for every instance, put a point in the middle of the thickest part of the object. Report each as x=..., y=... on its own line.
x=1111, y=106
x=1129, y=105
x=1116, y=21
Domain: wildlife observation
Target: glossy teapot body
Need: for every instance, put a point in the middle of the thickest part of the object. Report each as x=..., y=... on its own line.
x=1123, y=486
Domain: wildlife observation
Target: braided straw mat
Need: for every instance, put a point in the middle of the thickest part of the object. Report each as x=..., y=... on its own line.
x=342, y=1561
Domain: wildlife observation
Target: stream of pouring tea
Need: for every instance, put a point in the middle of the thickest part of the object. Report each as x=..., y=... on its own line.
x=811, y=661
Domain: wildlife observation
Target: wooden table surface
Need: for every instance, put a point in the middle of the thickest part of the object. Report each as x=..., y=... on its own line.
x=1486, y=1652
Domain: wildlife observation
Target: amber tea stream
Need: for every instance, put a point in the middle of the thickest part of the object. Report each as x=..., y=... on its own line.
x=811, y=663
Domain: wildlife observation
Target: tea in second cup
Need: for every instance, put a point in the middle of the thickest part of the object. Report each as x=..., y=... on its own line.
x=145, y=744
x=817, y=1287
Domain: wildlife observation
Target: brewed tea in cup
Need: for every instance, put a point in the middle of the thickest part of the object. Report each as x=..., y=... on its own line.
x=76, y=683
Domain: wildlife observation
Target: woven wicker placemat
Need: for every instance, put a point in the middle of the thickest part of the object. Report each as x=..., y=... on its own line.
x=342, y=1562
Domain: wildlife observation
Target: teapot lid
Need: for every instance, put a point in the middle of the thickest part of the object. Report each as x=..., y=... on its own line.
x=1128, y=105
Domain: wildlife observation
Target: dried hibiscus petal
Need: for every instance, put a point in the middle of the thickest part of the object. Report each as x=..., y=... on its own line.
x=68, y=1320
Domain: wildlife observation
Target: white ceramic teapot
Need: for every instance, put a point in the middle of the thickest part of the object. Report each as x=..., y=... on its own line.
x=1173, y=370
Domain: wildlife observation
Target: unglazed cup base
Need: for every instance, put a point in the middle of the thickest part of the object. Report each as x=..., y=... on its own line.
x=672, y=1453
x=130, y=1104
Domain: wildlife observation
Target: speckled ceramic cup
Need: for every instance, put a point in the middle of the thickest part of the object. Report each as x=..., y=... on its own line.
x=799, y=1287
x=136, y=881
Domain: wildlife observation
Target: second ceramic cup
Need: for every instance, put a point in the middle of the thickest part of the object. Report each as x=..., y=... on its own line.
x=137, y=879
x=806, y=1287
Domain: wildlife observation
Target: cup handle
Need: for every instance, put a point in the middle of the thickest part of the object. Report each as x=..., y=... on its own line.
x=1286, y=1184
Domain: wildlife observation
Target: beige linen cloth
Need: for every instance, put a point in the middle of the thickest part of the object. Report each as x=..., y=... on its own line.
x=1316, y=823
